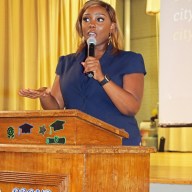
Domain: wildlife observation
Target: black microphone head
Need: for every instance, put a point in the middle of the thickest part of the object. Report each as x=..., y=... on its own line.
x=91, y=40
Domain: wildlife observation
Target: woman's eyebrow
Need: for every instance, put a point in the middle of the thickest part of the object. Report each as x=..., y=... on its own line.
x=100, y=14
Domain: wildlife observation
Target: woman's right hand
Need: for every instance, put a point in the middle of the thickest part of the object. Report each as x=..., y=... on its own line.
x=35, y=93
x=50, y=98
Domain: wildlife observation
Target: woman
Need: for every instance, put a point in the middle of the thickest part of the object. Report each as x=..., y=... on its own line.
x=115, y=91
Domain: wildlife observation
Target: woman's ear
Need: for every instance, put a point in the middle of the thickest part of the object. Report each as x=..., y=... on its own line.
x=113, y=26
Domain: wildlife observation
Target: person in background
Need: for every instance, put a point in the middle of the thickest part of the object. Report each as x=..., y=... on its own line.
x=114, y=93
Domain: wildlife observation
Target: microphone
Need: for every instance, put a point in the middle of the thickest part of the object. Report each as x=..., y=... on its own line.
x=91, y=42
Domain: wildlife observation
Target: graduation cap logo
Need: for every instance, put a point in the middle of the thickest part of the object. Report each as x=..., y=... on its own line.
x=25, y=128
x=57, y=125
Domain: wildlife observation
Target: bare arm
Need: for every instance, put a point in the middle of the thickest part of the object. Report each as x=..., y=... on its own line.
x=127, y=99
x=49, y=98
x=54, y=99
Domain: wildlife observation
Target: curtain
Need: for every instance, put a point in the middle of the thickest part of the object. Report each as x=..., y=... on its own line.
x=176, y=138
x=153, y=9
x=127, y=24
x=33, y=34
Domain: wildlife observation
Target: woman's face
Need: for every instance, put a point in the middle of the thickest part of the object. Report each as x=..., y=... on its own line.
x=96, y=22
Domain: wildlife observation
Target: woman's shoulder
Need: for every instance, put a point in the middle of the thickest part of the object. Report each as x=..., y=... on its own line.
x=65, y=62
x=122, y=53
x=70, y=56
x=130, y=54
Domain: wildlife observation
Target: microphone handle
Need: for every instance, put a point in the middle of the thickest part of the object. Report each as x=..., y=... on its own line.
x=91, y=52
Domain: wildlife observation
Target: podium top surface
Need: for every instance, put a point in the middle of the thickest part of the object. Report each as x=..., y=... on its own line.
x=78, y=149
x=65, y=113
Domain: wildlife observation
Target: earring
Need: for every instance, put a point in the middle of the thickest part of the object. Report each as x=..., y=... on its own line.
x=83, y=39
x=109, y=39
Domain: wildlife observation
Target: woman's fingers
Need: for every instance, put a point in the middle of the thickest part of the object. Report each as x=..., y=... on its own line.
x=92, y=64
x=34, y=93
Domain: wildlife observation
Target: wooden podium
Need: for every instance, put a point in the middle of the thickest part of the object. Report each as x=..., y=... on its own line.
x=68, y=151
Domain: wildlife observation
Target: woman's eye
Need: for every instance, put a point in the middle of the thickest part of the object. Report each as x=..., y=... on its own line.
x=86, y=19
x=100, y=19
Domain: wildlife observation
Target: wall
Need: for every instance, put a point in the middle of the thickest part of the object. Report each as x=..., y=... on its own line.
x=143, y=40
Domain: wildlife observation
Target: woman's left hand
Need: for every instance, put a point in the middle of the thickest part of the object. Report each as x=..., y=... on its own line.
x=92, y=64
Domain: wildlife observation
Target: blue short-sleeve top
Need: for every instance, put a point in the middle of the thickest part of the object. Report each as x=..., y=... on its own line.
x=87, y=95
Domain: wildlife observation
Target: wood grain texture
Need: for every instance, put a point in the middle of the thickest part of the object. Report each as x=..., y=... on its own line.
x=58, y=182
x=78, y=128
x=63, y=113
x=88, y=168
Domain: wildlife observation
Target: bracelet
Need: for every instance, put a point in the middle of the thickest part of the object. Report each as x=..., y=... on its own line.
x=105, y=80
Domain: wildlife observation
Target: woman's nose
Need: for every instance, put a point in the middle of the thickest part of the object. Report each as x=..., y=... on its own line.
x=92, y=24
